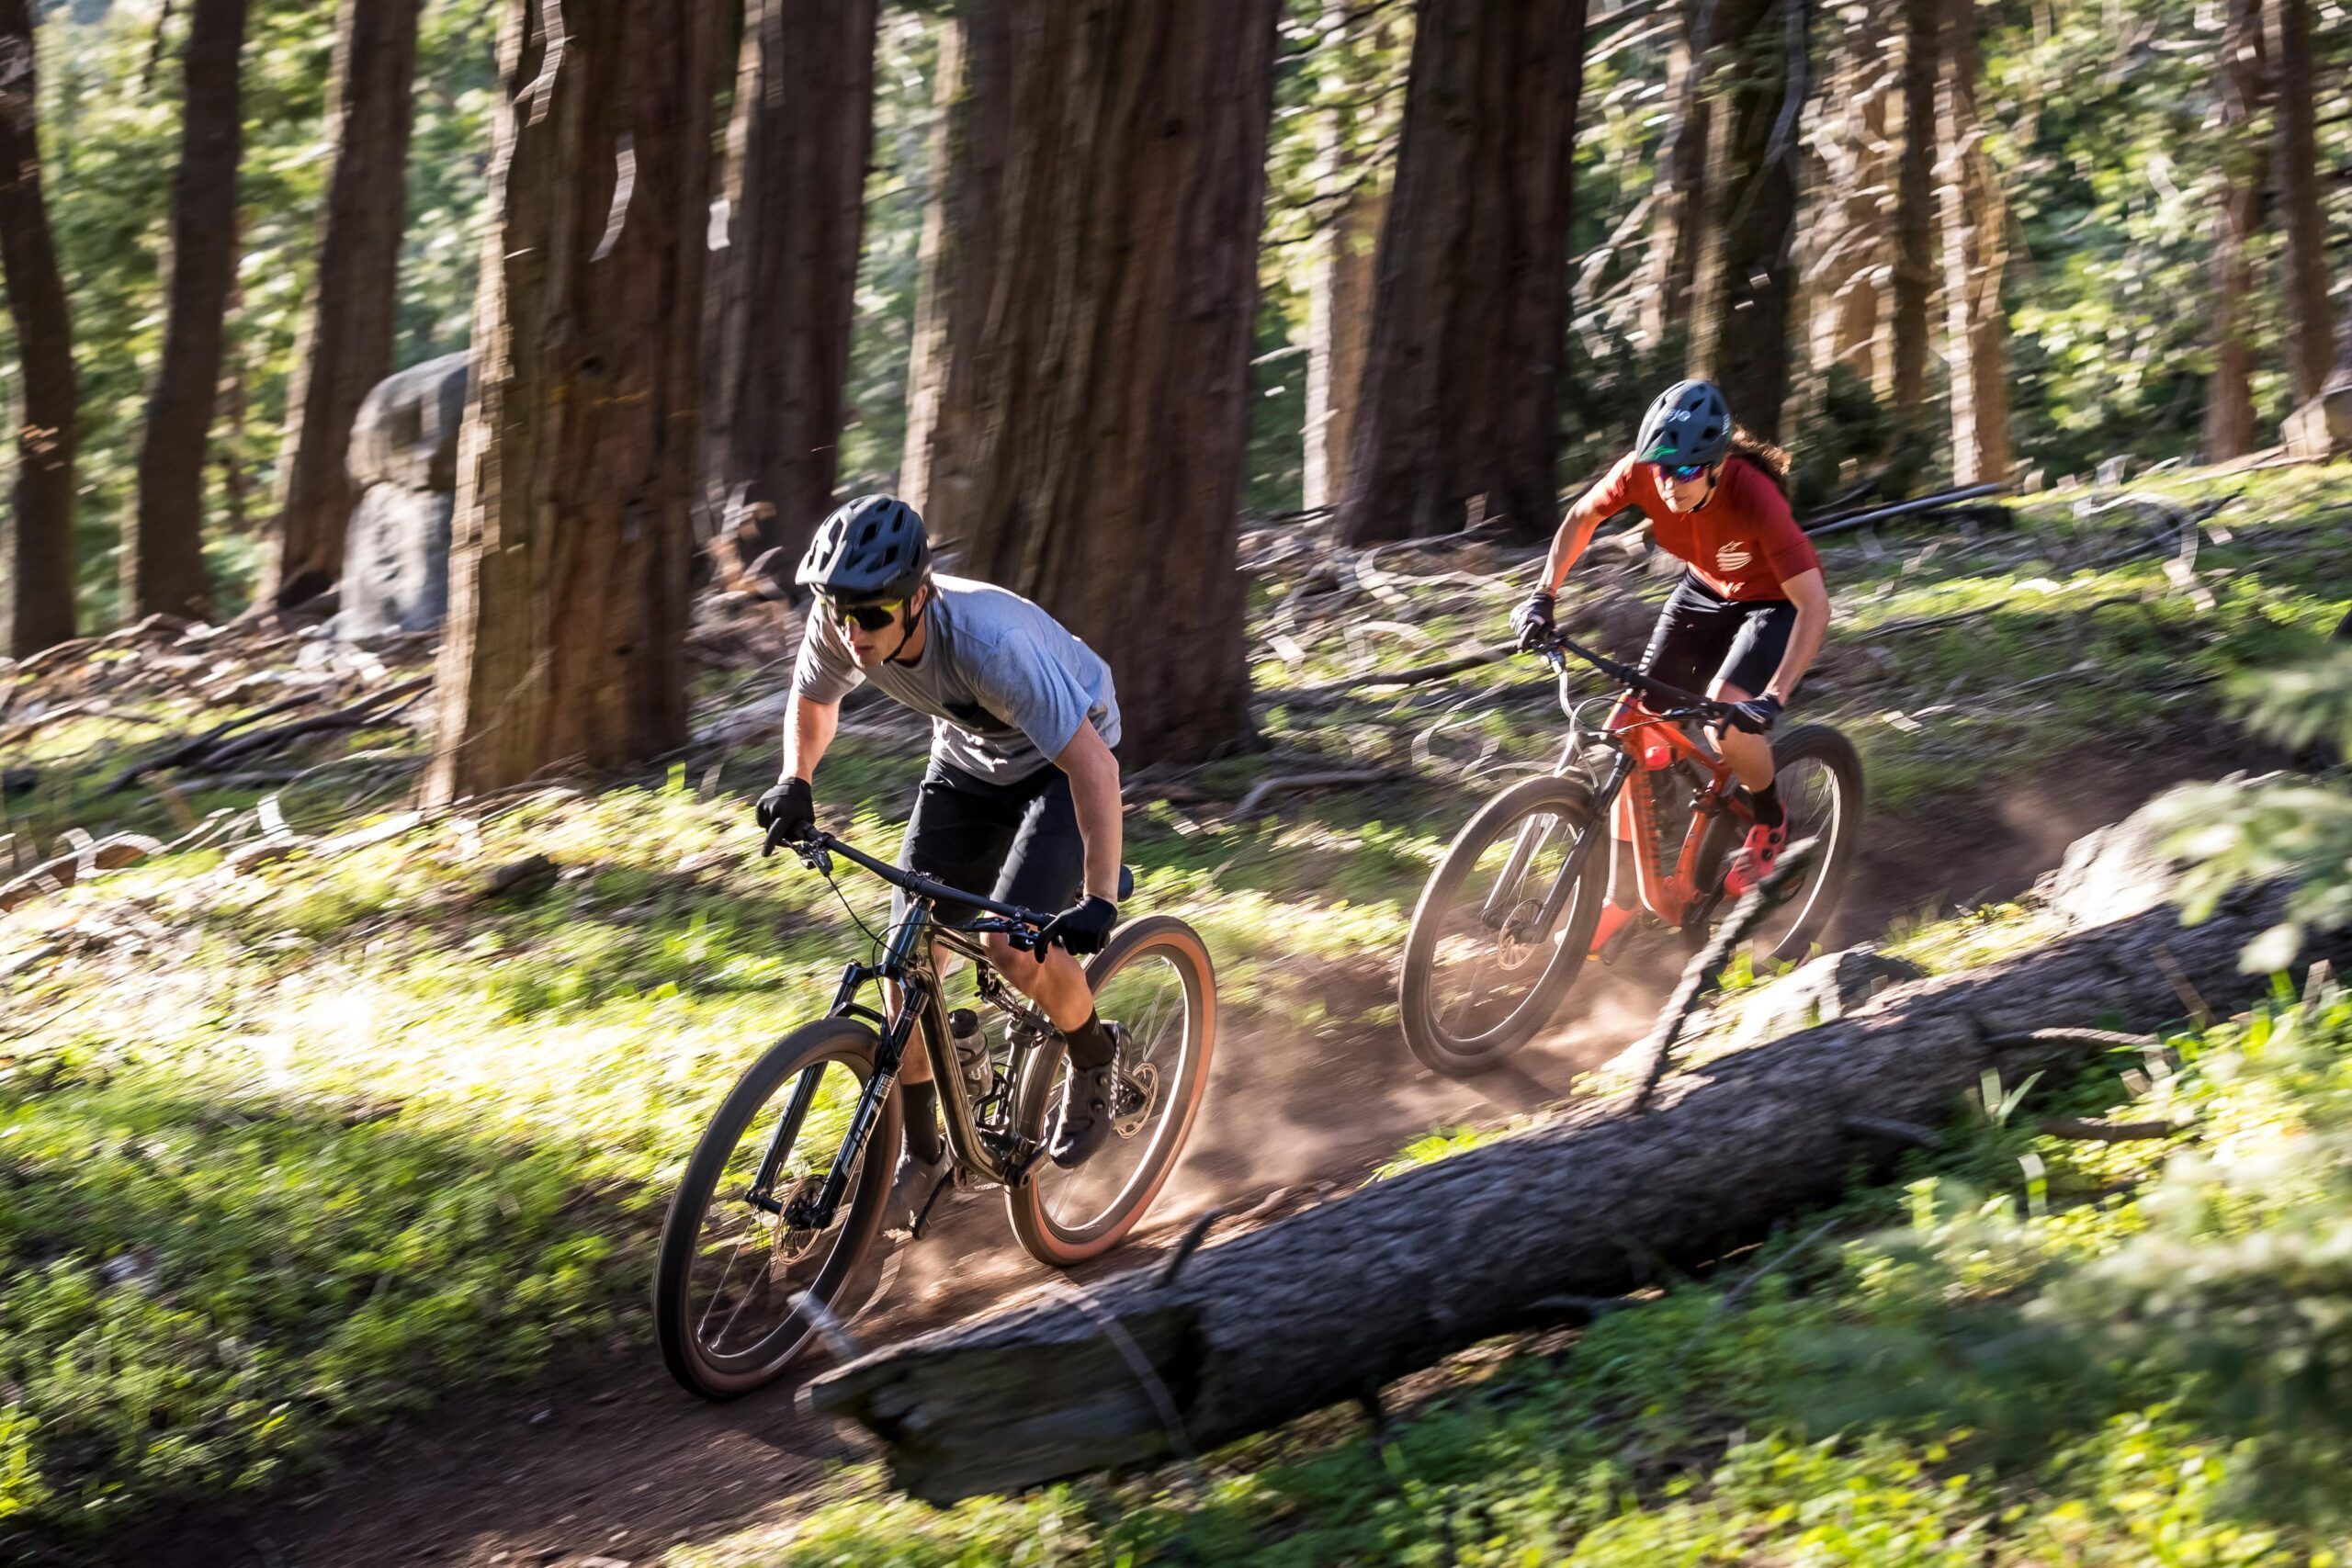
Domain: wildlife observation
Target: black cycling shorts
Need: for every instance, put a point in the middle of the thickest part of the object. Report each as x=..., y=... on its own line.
x=1017, y=842
x=1703, y=637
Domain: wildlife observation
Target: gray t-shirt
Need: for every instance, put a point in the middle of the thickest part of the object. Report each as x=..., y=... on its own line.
x=1005, y=684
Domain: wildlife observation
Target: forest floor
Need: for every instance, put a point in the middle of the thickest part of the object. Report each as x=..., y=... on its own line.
x=331, y=1178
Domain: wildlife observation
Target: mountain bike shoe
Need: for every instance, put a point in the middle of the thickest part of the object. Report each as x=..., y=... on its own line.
x=1756, y=858
x=915, y=1191
x=1089, y=1097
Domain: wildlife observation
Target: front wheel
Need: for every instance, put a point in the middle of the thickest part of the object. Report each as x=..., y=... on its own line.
x=1819, y=778
x=738, y=1293
x=1154, y=978
x=1495, y=940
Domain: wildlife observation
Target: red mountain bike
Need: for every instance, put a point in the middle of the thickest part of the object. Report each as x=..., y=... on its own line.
x=1505, y=921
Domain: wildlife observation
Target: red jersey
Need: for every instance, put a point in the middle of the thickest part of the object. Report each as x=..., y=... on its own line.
x=1743, y=543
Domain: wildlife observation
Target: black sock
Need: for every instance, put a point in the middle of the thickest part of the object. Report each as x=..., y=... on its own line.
x=1089, y=1047
x=1767, y=801
x=922, y=1118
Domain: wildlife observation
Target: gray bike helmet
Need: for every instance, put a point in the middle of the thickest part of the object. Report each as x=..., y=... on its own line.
x=870, y=549
x=1688, y=423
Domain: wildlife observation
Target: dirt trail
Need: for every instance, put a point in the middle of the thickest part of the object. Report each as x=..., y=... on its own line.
x=614, y=1462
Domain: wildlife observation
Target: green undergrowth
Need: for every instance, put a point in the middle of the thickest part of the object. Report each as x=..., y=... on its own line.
x=284, y=1153
x=2024, y=1350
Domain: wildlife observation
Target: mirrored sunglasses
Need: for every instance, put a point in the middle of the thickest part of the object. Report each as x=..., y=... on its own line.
x=1682, y=473
x=869, y=617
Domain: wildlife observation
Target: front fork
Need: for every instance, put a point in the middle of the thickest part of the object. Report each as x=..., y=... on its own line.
x=816, y=1210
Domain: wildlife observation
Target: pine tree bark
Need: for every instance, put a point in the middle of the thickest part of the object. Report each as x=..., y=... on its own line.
x=957, y=261
x=1680, y=197
x=797, y=155
x=1845, y=321
x=2229, y=395
x=346, y=344
x=39, y=611
x=163, y=558
x=1341, y=277
x=1975, y=254
x=1914, y=216
x=1113, y=377
x=2311, y=340
x=568, y=569
x=1756, y=74
x=1460, y=412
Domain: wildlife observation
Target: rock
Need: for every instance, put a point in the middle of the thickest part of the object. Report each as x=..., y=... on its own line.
x=2109, y=874
x=403, y=459
x=2322, y=426
x=522, y=880
x=263, y=852
x=1821, y=991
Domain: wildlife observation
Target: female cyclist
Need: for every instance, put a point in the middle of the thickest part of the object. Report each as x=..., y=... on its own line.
x=1744, y=622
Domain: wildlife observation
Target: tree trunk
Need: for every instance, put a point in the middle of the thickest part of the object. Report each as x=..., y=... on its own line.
x=1915, y=219
x=1334, y=1302
x=1114, y=378
x=162, y=561
x=1975, y=254
x=1460, y=395
x=1341, y=277
x=797, y=155
x=1680, y=199
x=1740, y=308
x=2310, y=317
x=39, y=611
x=1849, y=322
x=576, y=465
x=959, y=245
x=347, y=344
x=2229, y=395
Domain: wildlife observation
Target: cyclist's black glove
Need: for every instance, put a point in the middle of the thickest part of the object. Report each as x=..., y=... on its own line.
x=1083, y=928
x=1532, y=620
x=787, y=812
x=1755, y=714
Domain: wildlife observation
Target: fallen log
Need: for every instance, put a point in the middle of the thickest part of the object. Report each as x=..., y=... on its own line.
x=1328, y=1306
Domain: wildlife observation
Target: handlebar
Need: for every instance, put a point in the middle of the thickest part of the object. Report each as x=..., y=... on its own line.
x=1689, y=703
x=1023, y=926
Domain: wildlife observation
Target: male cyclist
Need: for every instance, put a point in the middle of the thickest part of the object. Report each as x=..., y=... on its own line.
x=1022, y=794
x=1744, y=622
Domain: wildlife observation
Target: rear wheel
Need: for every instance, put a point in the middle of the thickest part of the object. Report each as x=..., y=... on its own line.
x=1484, y=967
x=1819, y=778
x=737, y=1289
x=1153, y=978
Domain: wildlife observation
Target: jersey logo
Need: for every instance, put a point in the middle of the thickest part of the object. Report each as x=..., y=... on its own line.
x=1733, y=557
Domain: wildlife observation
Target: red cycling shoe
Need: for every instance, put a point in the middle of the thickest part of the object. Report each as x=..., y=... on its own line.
x=1756, y=858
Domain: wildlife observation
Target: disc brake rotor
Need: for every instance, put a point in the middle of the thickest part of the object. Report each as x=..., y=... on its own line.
x=790, y=1243
x=1138, y=1090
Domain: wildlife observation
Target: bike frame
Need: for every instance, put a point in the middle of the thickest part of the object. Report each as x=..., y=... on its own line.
x=999, y=1153
x=1636, y=735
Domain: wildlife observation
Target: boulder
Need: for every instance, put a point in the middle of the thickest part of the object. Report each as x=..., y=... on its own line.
x=2322, y=426
x=404, y=461
x=1821, y=990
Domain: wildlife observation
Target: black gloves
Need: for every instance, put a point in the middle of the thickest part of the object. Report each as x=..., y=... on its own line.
x=1083, y=928
x=787, y=812
x=1755, y=714
x=1532, y=620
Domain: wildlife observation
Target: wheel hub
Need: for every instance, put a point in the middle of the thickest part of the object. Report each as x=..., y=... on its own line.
x=1139, y=1089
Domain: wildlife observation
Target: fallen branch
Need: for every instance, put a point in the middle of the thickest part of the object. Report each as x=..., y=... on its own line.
x=2106, y=1131
x=1266, y=788
x=1412, y=675
x=1313, y=1311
